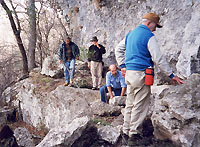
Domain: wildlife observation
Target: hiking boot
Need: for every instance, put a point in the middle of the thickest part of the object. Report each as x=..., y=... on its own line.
x=71, y=81
x=136, y=141
x=66, y=84
x=124, y=138
x=94, y=88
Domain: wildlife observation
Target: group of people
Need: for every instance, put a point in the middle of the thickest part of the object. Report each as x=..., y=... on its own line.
x=68, y=52
x=137, y=52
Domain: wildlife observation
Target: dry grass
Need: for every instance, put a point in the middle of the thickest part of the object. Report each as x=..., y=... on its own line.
x=45, y=84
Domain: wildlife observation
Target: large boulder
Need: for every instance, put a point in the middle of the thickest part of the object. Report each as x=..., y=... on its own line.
x=118, y=101
x=54, y=105
x=78, y=133
x=176, y=113
x=104, y=109
x=23, y=137
x=109, y=134
x=51, y=67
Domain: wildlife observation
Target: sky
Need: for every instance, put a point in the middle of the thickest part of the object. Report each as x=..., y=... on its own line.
x=5, y=29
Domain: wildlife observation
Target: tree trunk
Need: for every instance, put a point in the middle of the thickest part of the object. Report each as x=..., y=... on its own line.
x=32, y=34
x=17, y=36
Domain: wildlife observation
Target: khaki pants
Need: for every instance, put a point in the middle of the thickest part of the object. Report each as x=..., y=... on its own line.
x=96, y=71
x=137, y=102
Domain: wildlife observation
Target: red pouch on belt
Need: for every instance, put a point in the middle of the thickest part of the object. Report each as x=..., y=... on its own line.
x=149, y=76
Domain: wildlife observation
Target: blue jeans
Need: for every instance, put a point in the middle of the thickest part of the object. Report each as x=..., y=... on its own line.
x=104, y=90
x=69, y=67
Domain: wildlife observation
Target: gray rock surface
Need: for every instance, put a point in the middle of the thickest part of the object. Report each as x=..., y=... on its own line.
x=10, y=93
x=51, y=66
x=104, y=109
x=118, y=101
x=23, y=137
x=109, y=133
x=70, y=134
x=176, y=114
x=50, y=109
x=111, y=20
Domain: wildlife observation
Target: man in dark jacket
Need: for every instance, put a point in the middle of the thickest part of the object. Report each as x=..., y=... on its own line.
x=95, y=62
x=68, y=51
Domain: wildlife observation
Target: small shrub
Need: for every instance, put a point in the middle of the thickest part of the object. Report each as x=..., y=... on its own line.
x=101, y=121
x=83, y=54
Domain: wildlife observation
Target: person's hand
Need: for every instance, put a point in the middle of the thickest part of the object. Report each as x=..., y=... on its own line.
x=176, y=79
x=61, y=62
x=77, y=58
x=89, y=64
x=96, y=44
x=123, y=70
x=111, y=96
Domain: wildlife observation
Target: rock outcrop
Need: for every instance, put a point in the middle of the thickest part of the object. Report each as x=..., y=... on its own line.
x=79, y=132
x=23, y=137
x=51, y=67
x=118, y=101
x=111, y=20
x=52, y=108
x=109, y=133
x=46, y=104
x=176, y=113
x=104, y=109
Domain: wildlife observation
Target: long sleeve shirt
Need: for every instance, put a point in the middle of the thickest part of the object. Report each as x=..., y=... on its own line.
x=139, y=50
x=116, y=81
x=95, y=53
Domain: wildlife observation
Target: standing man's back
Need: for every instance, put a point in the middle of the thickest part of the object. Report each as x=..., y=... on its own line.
x=135, y=54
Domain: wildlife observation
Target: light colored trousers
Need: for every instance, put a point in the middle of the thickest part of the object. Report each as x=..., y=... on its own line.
x=137, y=102
x=96, y=71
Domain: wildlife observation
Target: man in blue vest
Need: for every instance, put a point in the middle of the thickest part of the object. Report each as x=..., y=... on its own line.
x=68, y=51
x=138, y=51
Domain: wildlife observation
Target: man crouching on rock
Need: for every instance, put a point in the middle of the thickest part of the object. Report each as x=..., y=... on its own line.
x=114, y=82
x=68, y=51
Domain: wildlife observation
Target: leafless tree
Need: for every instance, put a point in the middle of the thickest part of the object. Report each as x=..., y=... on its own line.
x=32, y=34
x=50, y=30
x=16, y=30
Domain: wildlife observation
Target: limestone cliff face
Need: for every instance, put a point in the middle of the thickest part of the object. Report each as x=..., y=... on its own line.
x=111, y=20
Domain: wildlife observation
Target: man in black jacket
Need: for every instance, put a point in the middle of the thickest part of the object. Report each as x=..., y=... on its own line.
x=95, y=62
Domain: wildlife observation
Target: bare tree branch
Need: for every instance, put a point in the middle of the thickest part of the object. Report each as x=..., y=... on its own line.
x=17, y=36
x=16, y=16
